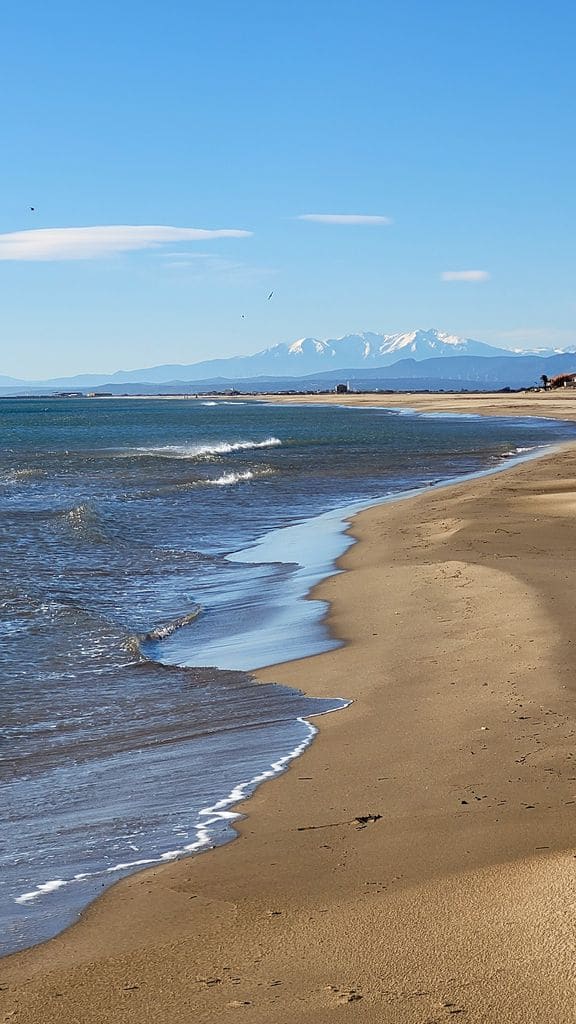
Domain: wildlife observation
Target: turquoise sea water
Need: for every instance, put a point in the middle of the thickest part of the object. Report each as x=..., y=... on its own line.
x=152, y=554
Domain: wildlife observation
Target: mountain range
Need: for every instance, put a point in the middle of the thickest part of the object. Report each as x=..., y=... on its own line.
x=420, y=354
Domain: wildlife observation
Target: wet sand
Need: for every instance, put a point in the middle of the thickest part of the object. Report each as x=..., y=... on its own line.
x=417, y=863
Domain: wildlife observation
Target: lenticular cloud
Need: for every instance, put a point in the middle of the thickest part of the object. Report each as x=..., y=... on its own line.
x=101, y=240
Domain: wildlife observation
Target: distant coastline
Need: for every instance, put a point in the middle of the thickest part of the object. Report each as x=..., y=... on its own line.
x=255, y=393
x=420, y=360
x=560, y=404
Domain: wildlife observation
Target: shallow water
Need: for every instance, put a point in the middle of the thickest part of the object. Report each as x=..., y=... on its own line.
x=152, y=554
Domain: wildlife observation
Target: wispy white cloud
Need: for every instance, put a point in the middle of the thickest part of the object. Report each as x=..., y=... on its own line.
x=344, y=218
x=92, y=243
x=465, y=275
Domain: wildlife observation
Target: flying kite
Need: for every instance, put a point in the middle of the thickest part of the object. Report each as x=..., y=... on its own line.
x=270, y=296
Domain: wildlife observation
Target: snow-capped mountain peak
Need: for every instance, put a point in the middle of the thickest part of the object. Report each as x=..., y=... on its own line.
x=303, y=346
x=350, y=351
x=308, y=356
x=422, y=344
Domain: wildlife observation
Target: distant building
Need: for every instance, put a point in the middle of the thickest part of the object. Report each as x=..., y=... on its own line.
x=563, y=380
x=342, y=389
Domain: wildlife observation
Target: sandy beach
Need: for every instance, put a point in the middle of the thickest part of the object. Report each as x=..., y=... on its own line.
x=417, y=863
x=558, y=404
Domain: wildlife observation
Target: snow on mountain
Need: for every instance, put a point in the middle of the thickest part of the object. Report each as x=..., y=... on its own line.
x=366, y=349
x=427, y=344
x=542, y=351
x=302, y=357
x=307, y=355
x=305, y=345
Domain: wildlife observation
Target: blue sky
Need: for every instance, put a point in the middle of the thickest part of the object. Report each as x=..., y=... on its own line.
x=453, y=121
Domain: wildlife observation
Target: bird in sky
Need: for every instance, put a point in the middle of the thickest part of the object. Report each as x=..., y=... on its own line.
x=32, y=209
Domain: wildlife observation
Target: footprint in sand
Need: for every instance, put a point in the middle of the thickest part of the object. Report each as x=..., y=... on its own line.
x=343, y=996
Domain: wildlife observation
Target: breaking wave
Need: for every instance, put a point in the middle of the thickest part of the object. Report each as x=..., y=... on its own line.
x=209, y=821
x=231, y=478
x=134, y=644
x=226, y=479
x=167, y=628
x=519, y=451
x=200, y=451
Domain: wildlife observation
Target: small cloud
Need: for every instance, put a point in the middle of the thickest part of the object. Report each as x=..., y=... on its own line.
x=92, y=243
x=465, y=275
x=344, y=218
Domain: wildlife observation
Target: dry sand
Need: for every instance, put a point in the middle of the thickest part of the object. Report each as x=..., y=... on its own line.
x=458, y=900
x=559, y=404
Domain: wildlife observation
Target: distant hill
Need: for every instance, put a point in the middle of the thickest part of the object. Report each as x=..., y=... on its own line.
x=6, y=382
x=432, y=358
x=482, y=371
x=310, y=355
x=295, y=359
x=474, y=373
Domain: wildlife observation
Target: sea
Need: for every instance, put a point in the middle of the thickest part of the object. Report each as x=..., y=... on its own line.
x=153, y=554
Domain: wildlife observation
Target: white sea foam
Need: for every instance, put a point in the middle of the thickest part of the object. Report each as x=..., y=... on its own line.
x=207, y=817
x=209, y=403
x=231, y=478
x=199, y=451
x=519, y=451
x=44, y=887
x=126, y=865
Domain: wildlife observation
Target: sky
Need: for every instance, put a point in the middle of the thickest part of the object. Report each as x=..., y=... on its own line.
x=376, y=165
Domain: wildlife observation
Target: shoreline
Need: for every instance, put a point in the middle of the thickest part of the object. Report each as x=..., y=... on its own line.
x=560, y=404
x=325, y=537
x=108, y=925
